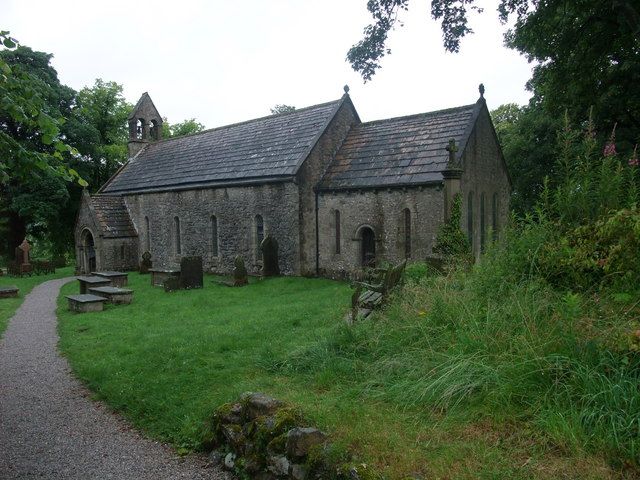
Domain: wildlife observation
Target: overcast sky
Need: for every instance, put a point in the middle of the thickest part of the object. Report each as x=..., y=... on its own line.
x=228, y=61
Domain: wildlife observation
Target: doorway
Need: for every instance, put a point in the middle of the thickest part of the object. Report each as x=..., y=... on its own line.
x=368, y=247
x=90, y=264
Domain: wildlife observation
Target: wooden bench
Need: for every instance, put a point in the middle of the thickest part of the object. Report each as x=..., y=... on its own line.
x=369, y=296
x=8, y=291
x=89, y=282
x=158, y=276
x=86, y=302
x=113, y=295
x=118, y=279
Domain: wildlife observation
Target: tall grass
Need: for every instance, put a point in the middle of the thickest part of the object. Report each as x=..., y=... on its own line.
x=494, y=341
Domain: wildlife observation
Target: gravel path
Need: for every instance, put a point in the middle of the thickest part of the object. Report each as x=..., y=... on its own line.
x=50, y=429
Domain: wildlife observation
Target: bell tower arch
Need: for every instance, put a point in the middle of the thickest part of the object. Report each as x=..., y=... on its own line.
x=145, y=125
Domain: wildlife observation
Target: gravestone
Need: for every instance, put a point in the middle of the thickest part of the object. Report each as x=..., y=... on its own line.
x=191, y=272
x=25, y=248
x=171, y=284
x=146, y=263
x=239, y=272
x=270, y=265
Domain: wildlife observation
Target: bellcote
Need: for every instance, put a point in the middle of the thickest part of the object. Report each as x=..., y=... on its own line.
x=145, y=125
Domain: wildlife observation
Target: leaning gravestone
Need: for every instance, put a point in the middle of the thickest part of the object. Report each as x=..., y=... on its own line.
x=146, y=263
x=270, y=266
x=239, y=272
x=191, y=272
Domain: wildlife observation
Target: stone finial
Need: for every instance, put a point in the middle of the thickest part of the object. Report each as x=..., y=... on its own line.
x=481, y=90
x=452, y=149
x=346, y=89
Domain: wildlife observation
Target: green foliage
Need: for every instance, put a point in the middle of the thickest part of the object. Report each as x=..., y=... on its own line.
x=528, y=138
x=30, y=137
x=600, y=253
x=282, y=108
x=186, y=127
x=450, y=240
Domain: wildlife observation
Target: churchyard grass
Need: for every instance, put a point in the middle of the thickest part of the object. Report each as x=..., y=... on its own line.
x=8, y=306
x=440, y=385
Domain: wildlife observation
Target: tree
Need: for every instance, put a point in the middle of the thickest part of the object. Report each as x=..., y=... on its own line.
x=186, y=127
x=528, y=139
x=282, y=108
x=31, y=146
x=588, y=60
x=29, y=130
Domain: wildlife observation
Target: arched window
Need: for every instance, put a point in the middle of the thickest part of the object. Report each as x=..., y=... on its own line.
x=407, y=232
x=470, y=219
x=214, y=236
x=494, y=215
x=178, y=243
x=259, y=233
x=337, y=220
x=147, y=235
x=155, y=131
x=140, y=133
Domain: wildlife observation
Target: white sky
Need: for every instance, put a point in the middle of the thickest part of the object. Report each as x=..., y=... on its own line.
x=228, y=61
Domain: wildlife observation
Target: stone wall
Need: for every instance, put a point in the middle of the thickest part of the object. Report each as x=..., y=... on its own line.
x=484, y=173
x=111, y=253
x=235, y=210
x=120, y=254
x=383, y=211
x=309, y=176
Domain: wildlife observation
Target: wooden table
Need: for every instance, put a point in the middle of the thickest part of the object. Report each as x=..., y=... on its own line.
x=87, y=282
x=118, y=279
x=158, y=276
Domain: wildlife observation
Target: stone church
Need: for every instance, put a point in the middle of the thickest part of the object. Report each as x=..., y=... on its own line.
x=337, y=193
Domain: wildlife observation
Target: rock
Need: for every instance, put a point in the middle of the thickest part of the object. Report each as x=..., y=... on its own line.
x=230, y=461
x=278, y=465
x=234, y=437
x=259, y=404
x=216, y=457
x=230, y=414
x=301, y=440
x=298, y=472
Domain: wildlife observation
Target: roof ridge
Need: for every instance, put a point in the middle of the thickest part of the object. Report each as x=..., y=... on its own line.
x=208, y=130
x=415, y=115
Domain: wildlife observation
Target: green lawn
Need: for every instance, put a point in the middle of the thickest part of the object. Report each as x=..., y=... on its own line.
x=167, y=360
x=8, y=306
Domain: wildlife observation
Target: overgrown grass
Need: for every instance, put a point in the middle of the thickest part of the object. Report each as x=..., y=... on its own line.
x=460, y=377
x=8, y=306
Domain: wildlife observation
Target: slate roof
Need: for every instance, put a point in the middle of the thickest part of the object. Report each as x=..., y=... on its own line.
x=112, y=216
x=252, y=151
x=400, y=151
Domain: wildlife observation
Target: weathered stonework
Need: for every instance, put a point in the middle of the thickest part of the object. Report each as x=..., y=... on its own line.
x=335, y=193
x=484, y=171
x=235, y=209
x=383, y=212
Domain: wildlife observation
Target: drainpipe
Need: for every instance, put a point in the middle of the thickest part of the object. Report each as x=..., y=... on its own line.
x=317, y=236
